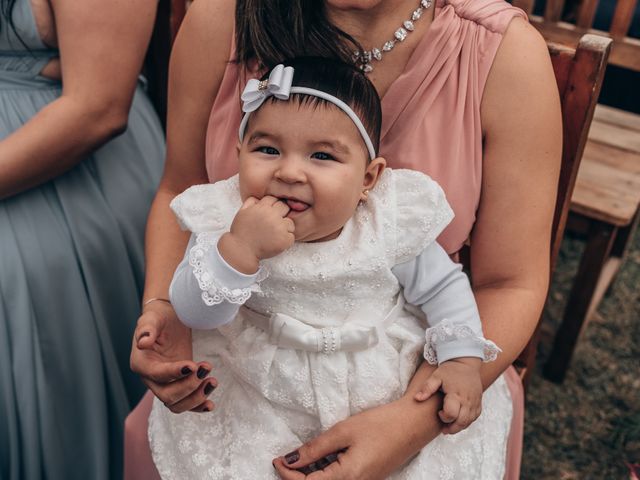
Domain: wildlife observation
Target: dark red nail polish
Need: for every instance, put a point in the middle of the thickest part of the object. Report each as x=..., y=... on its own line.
x=186, y=371
x=202, y=372
x=292, y=457
x=208, y=388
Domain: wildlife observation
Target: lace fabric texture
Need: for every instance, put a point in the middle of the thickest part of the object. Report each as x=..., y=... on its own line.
x=212, y=291
x=447, y=331
x=271, y=399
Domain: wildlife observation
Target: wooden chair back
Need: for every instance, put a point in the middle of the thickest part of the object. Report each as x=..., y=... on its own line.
x=625, y=51
x=579, y=74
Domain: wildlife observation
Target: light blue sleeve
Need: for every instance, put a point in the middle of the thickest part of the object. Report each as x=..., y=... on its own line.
x=206, y=292
x=433, y=282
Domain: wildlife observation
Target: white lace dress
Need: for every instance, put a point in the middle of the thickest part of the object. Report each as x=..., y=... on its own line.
x=272, y=397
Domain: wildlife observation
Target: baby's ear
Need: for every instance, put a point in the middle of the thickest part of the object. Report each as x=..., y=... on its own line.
x=373, y=172
x=238, y=146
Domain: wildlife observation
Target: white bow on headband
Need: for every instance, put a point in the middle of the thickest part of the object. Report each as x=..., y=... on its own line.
x=279, y=85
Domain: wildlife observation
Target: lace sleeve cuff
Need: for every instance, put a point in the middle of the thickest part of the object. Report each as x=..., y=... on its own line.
x=447, y=340
x=218, y=280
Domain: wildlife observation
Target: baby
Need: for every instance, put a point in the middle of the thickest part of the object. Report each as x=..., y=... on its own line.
x=296, y=277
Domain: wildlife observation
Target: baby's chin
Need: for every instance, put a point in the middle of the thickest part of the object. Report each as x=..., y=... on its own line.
x=318, y=237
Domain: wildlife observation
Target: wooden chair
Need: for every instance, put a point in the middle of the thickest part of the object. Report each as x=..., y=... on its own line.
x=579, y=73
x=625, y=51
x=606, y=209
x=606, y=200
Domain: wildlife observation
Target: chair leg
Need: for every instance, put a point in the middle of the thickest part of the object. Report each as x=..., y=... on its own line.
x=600, y=240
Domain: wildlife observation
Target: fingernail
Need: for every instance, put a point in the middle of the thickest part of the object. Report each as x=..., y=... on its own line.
x=208, y=388
x=186, y=371
x=202, y=372
x=142, y=335
x=292, y=457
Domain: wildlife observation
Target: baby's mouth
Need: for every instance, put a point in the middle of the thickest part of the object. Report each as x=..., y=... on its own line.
x=295, y=205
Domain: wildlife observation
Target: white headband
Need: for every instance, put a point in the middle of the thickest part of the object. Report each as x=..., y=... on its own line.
x=279, y=85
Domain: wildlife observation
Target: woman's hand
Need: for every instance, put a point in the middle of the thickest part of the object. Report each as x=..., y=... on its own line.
x=161, y=355
x=377, y=442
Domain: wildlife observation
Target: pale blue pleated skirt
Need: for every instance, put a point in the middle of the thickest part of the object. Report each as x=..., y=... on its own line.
x=71, y=277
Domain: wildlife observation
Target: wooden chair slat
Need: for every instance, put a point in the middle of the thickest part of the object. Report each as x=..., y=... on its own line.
x=526, y=5
x=622, y=17
x=624, y=53
x=615, y=116
x=553, y=10
x=608, y=184
x=579, y=76
x=578, y=104
x=615, y=136
x=587, y=13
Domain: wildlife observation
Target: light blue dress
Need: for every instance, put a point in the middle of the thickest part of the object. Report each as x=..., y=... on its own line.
x=71, y=277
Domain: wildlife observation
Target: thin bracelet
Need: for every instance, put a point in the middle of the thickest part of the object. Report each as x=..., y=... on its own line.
x=156, y=299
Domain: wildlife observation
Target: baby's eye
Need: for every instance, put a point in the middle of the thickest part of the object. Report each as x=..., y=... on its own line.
x=268, y=150
x=322, y=156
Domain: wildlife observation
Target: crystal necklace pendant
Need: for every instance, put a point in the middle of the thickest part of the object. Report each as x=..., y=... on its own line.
x=363, y=59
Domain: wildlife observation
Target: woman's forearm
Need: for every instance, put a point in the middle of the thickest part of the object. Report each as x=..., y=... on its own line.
x=509, y=317
x=423, y=424
x=164, y=245
x=55, y=140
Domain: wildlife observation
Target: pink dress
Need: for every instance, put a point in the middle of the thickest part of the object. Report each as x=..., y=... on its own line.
x=442, y=86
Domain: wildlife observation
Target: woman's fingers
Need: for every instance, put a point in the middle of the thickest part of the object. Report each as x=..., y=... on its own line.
x=330, y=442
x=173, y=392
x=196, y=399
x=149, y=326
x=286, y=473
x=205, y=406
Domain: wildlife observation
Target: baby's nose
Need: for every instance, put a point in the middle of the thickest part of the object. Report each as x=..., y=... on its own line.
x=291, y=170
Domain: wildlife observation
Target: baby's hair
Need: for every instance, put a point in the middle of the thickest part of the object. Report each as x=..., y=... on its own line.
x=344, y=82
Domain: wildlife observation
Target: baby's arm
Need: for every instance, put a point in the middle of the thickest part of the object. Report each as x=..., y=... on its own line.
x=208, y=295
x=454, y=340
x=219, y=272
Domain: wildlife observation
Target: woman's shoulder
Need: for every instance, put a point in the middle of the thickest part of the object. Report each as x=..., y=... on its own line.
x=494, y=15
x=522, y=67
x=208, y=207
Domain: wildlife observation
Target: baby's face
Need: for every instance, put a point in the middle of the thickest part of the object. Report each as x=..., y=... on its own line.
x=313, y=159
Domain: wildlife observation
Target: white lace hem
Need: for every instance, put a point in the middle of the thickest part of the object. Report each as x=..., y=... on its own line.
x=213, y=293
x=448, y=332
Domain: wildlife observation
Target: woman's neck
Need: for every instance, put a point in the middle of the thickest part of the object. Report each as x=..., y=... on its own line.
x=371, y=25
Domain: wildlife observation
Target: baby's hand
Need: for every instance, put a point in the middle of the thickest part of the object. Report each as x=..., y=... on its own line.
x=459, y=379
x=259, y=230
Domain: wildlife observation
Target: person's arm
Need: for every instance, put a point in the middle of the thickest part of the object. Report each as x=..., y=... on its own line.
x=510, y=243
x=95, y=39
x=226, y=288
x=510, y=257
x=161, y=349
x=440, y=288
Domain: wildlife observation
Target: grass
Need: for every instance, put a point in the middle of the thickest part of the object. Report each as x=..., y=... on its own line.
x=589, y=427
